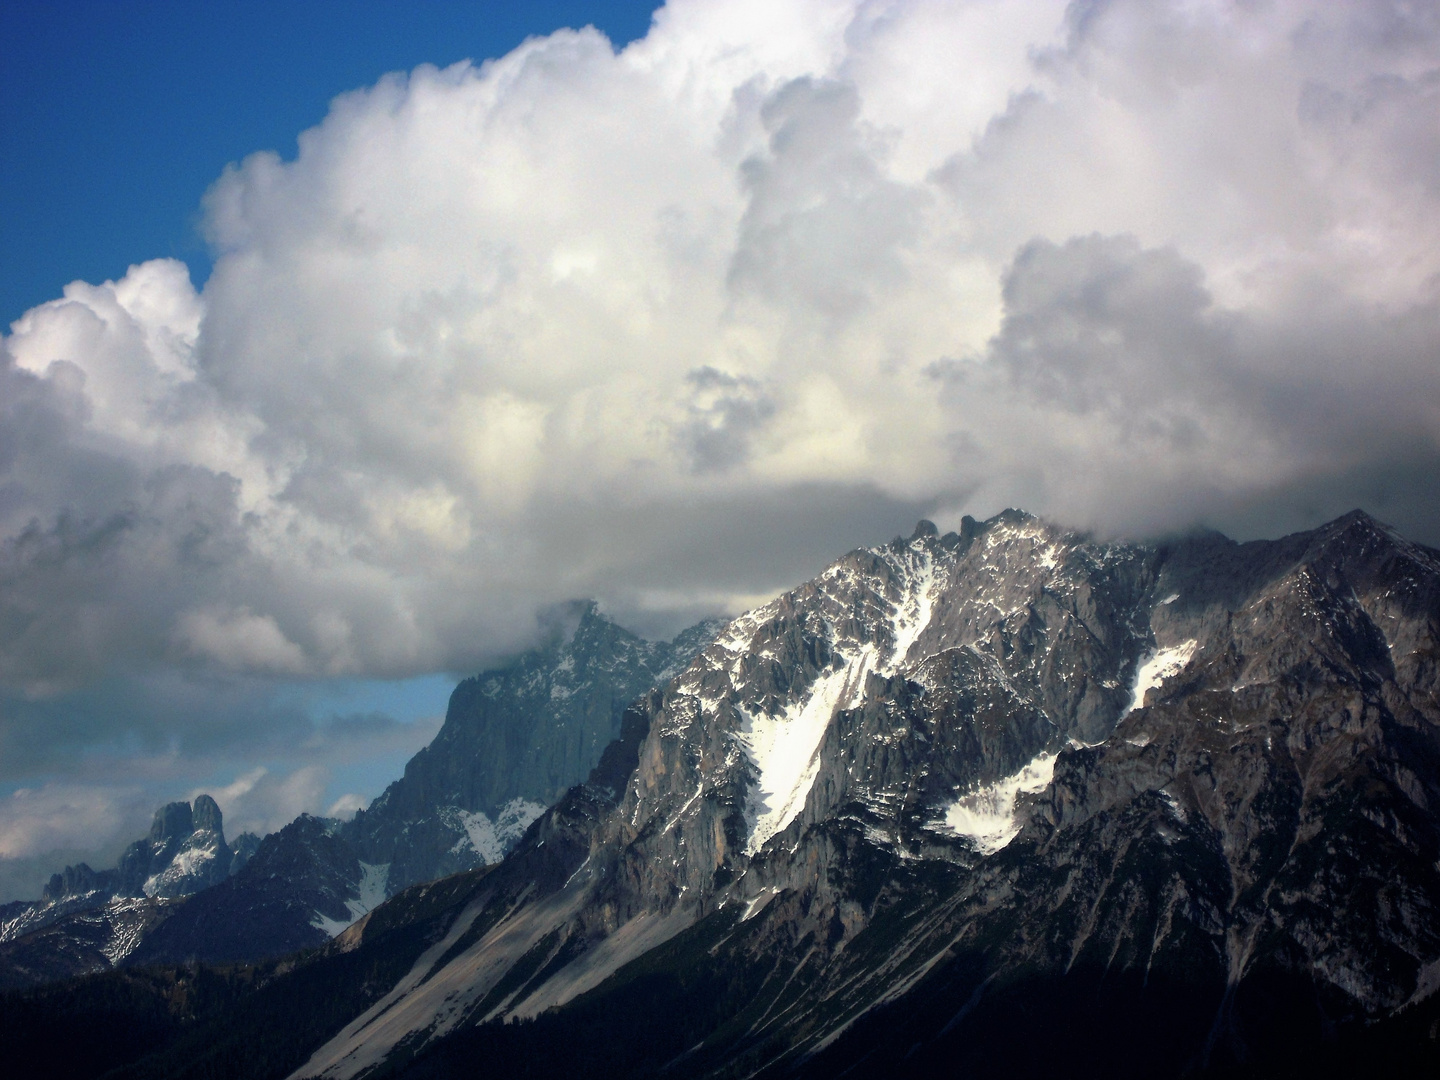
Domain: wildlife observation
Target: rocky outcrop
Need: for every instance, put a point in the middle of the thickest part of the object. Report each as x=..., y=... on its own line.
x=512, y=737
x=1005, y=801
x=90, y=920
x=184, y=853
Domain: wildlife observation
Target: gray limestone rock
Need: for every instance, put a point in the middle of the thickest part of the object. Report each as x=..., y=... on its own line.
x=960, y=766
x=90, y=920
x=514, y=740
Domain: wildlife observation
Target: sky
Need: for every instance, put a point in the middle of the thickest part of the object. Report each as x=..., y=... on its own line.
x=337, y=348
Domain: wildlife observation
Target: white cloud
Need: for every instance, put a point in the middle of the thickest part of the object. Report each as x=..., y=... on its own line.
x=240, y=641
x=346, y=805
x=64, y=815
x=575, y=322
x=260, y=801
x=237, y=789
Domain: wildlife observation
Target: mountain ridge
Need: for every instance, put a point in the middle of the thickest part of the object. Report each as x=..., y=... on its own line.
x=1004, y=798
x=741, y=796
x=512, y=736
x=90, y=919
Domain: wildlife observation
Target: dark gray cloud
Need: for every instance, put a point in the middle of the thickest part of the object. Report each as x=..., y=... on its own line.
x=1200, y=414
x=1101, y=325
x=725, y=411
x=701, y=553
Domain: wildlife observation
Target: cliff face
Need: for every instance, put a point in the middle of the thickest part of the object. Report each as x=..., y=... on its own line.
x=1004, y=801
x=303, y=885
x=513, y=741
x=958, y=774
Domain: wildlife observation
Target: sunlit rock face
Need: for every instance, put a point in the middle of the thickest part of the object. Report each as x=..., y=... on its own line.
x=1174, y=801
x=960, y=773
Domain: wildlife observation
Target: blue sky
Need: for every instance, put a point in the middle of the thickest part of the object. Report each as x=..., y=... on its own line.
x=116, y=115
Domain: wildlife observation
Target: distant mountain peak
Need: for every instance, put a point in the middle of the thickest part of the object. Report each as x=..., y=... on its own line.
x=514, y=739
x=184, y=853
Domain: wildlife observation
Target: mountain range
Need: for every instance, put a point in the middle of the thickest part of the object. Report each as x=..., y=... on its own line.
x=89, y=920
x=513, y=740
x=1008, y=798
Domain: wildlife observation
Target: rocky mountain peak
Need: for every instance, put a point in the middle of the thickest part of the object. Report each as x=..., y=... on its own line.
x=108, y=912
x=173, y=821
x=1011, y=756
x=1171, y=805
x=185, y=851
x=514, y=739
x=206, y=816
x=77, y=880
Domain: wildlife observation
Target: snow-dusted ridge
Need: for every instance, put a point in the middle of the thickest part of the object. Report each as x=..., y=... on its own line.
x=784, y=749
x=875, y=612
x=193, y=861
x=492, y=840
x=782, y=746
x=909, y=704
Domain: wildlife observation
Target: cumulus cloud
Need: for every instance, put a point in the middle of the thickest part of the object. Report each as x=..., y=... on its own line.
x=672, y=325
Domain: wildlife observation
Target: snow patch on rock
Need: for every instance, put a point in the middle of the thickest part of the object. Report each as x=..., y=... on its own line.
x=369, y=894
x=912, y=614
x=1156, y=668
x=492, y=840
x=128, y=922
x=190, y=862
x=784, y=748
x=986, y=816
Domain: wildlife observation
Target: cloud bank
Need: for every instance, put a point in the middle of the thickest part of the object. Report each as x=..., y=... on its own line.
x=672, y=325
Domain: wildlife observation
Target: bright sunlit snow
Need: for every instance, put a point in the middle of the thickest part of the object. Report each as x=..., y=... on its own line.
x=492, y=839
x=987, y=815
x=1158, y=667
x=783, y=748
x=371, y=894
x=187, y=862
x=913, y=614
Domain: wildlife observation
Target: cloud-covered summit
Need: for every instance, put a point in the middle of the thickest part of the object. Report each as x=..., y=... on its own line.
x=670, y=325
